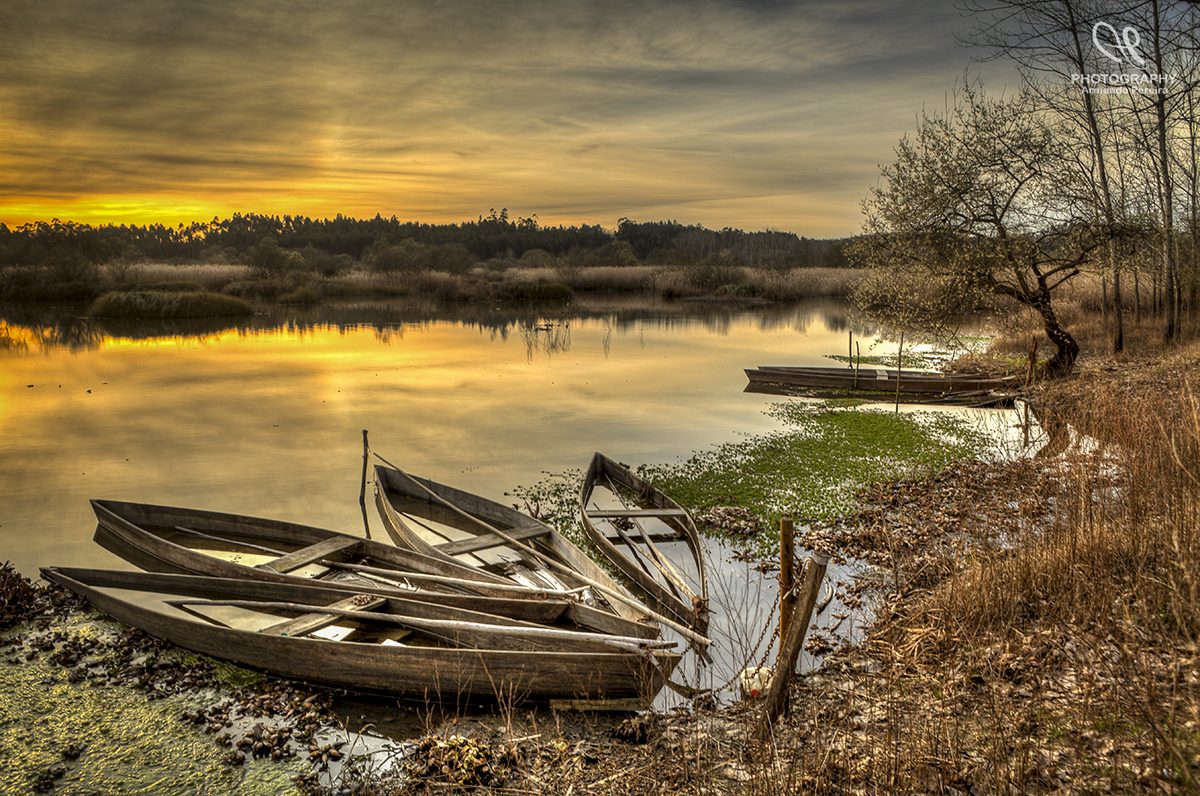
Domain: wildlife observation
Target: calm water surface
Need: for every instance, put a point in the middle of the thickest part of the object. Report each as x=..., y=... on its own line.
x=266, y=417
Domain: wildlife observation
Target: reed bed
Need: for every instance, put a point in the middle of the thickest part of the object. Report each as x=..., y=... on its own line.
x=168, y=305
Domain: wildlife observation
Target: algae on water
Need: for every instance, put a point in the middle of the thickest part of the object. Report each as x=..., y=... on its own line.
x=128, y=744
x=812, y=466
x=809, y=468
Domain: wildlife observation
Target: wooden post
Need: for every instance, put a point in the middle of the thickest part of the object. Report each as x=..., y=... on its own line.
x=362, y=485
x=787, y=575
x=857, y=363
x=899, y=365
x=1025, y=422
x=850, y=351
x=792, y=643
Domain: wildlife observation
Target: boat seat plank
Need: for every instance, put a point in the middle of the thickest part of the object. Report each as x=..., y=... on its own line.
x=311, y=554
x=310, y=623
x=655, y=536
x=485, y=541
x=616, y=514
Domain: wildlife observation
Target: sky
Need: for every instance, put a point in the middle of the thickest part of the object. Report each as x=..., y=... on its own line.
x=759, y=114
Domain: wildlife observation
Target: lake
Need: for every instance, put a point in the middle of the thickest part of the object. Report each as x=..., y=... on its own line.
x=265, y=417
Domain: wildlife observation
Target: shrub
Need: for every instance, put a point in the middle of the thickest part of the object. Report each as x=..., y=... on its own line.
x=453, y=258
x=323, y=262
x=407, y=256
x=305, y=294
x=714, y=271
x=35, y=283
x=537, y=291
x=744, y=290
x=161, y=304
x=174, y=287
x=538, y=258
x=259, y=289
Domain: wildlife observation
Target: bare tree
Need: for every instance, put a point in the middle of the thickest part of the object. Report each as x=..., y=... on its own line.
x=981, y=197
x=1049, y=40
x=1130, y=125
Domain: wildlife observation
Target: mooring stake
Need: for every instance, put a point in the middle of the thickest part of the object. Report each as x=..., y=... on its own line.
x=790, y=646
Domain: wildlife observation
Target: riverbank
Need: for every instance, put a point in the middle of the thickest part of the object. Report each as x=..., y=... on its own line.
x=509, y=284
x=1036, y=628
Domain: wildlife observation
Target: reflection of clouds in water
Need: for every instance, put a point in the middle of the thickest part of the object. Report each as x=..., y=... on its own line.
x=266, y=419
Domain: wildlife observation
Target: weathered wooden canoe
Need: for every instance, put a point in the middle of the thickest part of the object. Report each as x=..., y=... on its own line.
x=371, y=643
x=171, y=539
x=880, y=380
x=617, y=523
x=459, y=527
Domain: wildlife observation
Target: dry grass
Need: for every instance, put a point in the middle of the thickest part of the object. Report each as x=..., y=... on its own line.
x=1065, y=657
x=210, y=276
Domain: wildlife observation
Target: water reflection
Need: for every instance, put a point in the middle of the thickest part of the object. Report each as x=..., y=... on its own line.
x=40, y=328
x=265, y=416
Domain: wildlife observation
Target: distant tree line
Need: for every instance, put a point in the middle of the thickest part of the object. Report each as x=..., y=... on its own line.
x=389, y=244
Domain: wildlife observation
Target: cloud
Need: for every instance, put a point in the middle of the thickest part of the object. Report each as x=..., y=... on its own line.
x=750, y=114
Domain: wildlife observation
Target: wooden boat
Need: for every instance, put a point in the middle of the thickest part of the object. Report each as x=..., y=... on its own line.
x=880, y=380
x=617, y=522
x=976, y=399
x=367, y=642
x=171, y=539
x=459, y=527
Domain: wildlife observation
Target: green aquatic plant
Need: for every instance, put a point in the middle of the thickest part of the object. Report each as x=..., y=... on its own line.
x=812, y=467
x=809, y=468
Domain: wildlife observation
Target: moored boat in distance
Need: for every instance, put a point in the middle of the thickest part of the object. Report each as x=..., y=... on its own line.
x=970, y=389
x=880, y=379
x=632, y=522
x=368, y=642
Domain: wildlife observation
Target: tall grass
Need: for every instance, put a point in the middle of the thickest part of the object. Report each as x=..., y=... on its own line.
x=1065, y=656
x=210, y=276
x=168, y=305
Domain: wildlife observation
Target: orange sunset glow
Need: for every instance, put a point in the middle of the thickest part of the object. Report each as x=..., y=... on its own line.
x=747, y=114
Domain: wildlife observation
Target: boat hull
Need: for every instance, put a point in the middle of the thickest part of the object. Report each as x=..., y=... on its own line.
x=432, y=674
x=688, y=609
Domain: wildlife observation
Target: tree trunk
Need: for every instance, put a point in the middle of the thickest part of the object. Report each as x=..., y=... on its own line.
x=1104, y=298
x=1066, y=349
x=1118, y=336
x=1137, y=300
x=1170, y=265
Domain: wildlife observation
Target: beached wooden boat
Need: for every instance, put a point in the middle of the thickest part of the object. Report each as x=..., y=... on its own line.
x=367, y=642
x=633, y=523
x=172, y=539
x=462, y=528
x=880, y=380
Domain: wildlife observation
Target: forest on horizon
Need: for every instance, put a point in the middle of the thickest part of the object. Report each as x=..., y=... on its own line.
x=445, y=246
